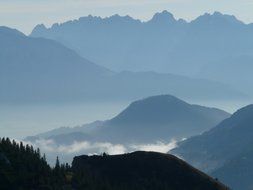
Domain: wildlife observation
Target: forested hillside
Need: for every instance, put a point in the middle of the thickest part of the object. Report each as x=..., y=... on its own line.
x=23, y=168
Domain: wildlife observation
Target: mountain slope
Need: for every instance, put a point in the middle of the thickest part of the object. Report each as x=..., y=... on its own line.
x=239, y=168
x=39, y=69
x=203, y=47
x=157, y=118
x=141, y=170
x=157, y=44
x=160, y=118
x=225, y=151
x=227, y=140
x=36, y=69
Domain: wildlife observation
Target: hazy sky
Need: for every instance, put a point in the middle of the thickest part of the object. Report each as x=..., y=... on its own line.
x=25, y=14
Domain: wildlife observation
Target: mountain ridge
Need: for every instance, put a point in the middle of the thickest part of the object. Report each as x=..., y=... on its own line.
x=43, y=70
x=142, y=166
x=201, y=48
x=163, y=14
x=156, y=118
x=224, y=149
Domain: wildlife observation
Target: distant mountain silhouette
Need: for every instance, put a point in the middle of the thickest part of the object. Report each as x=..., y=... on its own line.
x=163, y=18
x=41, y=70
x=225, y=151
x=158, y=118
x=204, y=47
x=141, y=170
x=161, y=118
x=217, y=18
x=68, y=132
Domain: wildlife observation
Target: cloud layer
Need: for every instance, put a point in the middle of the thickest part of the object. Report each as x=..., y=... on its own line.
x=86, y=147
x=67, y=152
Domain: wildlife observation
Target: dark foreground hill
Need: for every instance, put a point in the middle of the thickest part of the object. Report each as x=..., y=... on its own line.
x=140, y=170
x=22, y=168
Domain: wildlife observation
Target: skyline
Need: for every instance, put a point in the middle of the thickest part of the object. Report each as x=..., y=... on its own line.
x=24, y=15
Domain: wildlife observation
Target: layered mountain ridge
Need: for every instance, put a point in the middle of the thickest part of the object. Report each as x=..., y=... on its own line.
x=204, y=47
x=157, y=118
x=43, y=70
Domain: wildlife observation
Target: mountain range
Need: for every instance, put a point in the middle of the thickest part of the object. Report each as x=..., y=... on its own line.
x=40, y=69
x=43, y=70
x=205, y=47
x=118, y=58
x=157, y=118
x=225, y=151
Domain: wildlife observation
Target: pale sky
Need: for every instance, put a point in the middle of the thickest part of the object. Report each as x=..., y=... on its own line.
x=25, y=14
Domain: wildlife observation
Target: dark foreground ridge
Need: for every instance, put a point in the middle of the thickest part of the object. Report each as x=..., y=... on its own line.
x=140, y=170
x=23, y=168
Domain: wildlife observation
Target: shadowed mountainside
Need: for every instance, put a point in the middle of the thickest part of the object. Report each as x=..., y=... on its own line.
x=239, y=168
x=225, y=151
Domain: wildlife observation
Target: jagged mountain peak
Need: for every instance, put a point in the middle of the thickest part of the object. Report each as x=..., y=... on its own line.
x=163, y=16
x=217, y=17
x=121, y=19
x=40, y=28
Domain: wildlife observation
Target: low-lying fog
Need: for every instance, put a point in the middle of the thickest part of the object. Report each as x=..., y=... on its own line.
x=67, y=152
